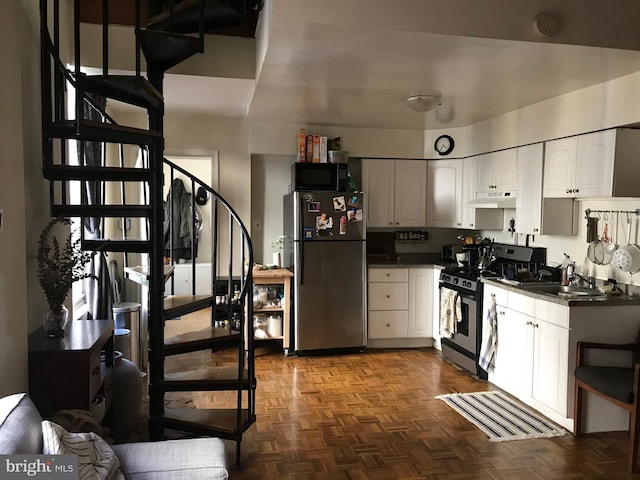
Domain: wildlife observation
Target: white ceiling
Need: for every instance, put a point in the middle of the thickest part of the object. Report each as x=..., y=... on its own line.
x=360, y=74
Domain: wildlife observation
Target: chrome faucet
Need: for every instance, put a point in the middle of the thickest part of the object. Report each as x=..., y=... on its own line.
x=575, y=278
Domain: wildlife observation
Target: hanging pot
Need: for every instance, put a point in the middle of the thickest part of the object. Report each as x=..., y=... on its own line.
x=627, y=257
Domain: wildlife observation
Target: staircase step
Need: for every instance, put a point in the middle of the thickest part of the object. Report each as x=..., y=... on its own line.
x=103, y=132
x=166, y=50
x=219, y=422
x=206, y=379
x=208, y=338
x=176, y=305
x=125, y=88
x=186, y=16
x=78, y=172
x=101, y=210
x=118, y=245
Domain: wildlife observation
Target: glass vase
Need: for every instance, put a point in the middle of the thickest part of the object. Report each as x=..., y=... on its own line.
x=54, y=321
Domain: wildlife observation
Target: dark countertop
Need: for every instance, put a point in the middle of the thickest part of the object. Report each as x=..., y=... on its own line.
x=603, y=301
x=408, y=260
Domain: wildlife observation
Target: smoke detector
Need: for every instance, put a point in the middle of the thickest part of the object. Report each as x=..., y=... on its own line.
x=423, y=103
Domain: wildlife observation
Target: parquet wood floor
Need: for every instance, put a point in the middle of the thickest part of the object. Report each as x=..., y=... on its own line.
x=373, y=416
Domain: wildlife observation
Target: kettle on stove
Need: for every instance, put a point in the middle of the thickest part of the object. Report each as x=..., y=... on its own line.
x=486, y=257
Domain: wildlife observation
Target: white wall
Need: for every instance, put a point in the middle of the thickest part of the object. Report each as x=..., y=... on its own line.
x=576, y=246
x=270, y=180
x=22, y=192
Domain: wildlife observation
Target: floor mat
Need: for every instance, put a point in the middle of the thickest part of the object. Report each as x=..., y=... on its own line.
x=501, y=417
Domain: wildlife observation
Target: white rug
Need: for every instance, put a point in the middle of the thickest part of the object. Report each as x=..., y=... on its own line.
x=500, y=417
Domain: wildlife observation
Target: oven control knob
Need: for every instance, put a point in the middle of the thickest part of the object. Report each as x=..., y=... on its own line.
x=466, y=284
x=455, y=281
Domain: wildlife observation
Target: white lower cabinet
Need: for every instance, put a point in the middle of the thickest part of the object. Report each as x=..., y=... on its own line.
x=536, y=353
x=532, y=357
x=399, y=307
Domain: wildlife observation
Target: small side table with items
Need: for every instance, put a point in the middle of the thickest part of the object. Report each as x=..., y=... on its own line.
x=272, y=305
x=70, y=372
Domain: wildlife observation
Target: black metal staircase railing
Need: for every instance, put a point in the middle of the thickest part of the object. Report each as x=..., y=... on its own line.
x=174, y=34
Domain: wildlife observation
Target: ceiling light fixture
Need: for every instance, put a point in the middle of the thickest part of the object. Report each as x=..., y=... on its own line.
x=423, y=103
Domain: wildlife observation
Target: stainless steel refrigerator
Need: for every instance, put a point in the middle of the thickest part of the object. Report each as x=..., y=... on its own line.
x=325, y=235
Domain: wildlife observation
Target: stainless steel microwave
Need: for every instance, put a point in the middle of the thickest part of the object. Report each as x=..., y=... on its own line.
x=319, y=176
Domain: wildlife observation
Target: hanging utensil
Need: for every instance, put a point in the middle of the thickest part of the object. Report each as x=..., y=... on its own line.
x=592, y=229
x=595, y=250
x=609, y=245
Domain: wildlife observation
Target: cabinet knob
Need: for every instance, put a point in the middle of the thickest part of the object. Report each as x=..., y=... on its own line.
x=388, y=296
x=388, y=274
x=471, y=224
x=577, y=190
x=535, y=325
x=390, y=223
x=388, y=325
x=529, y=323
x=501, y=312
x=458, y=224
x=535, y=229
x=568, y=190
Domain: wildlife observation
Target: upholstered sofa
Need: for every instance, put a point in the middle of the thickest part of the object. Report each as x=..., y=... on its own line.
x=21, y=432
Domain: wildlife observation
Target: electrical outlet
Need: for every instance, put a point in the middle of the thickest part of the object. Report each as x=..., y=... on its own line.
x=257, y=225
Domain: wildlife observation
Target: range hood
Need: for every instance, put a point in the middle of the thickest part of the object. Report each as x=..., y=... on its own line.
x=493, y=200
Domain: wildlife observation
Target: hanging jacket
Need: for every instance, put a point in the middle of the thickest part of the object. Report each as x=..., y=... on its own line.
x=181, y=233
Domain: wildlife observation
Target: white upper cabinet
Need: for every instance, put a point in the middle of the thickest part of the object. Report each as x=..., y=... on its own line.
x=476, y=218
x=378, y=184
x=444, y=193
x=497, y=171
x=600, y=164
x=410, y=193
x=396, y=192
x=536, y=215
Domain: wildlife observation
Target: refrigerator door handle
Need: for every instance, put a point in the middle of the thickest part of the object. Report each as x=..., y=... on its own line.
x=301, y=242
x=301, y=261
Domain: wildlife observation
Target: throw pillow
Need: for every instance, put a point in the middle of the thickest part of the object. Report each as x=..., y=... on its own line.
x=96, y=459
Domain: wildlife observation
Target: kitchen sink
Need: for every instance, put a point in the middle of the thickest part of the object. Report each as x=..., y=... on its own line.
x=568, y=291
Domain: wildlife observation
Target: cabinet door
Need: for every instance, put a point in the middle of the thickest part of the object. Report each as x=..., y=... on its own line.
x=484, y=173
x=435, y=307
x=514, y=364
x=504, y=167
x=468, y=192
x=378, y=183
x=529, y=197
x=410, y=198
x=419, y=302
x=550, y=365
x=560, y=167
x=444, y=193
x=594, y=164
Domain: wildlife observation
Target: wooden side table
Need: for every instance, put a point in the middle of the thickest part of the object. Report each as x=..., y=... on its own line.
x=280, y=278
x=68, y=372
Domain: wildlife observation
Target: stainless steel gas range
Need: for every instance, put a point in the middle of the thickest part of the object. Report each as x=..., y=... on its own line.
x=461, y=294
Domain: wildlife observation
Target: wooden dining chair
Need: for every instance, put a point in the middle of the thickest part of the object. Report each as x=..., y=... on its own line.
x=618, y=385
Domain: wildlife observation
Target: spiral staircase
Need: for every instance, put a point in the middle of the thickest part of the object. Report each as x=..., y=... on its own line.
x=174, y=31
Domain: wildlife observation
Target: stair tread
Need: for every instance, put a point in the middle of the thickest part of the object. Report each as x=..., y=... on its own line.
x=126, y=88
x=101, y=210
x=167, y=50
x=177, y=305
x=201, y=339
x=82, y=172
x=201, y=420
x=118, y=245
x=103, y=132
x=206, y=377
x=186, y=16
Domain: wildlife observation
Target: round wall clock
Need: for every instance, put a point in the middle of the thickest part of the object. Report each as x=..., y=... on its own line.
x=444, y=145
